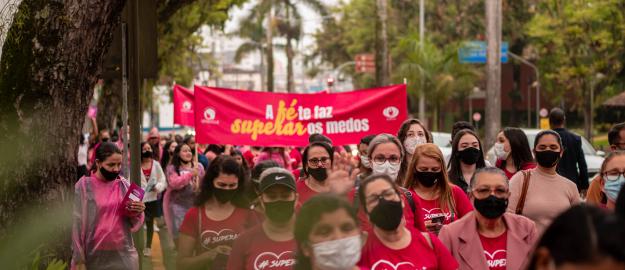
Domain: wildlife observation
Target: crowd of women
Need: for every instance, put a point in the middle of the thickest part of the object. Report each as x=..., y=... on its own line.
x=398, y=204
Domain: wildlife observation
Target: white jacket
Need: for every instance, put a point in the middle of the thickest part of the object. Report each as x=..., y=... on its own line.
x=157, y=180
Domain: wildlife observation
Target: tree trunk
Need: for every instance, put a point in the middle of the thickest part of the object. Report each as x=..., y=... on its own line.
x=384, y=63
x=493, y=70
x=289, y=52
x=270, y=51
x=289, y=66
x=109, y=104
x=49, y=67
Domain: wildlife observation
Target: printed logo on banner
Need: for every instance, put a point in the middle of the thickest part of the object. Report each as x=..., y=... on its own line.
x=186, y=106
x=212, y=237
x=390, y=112
x=269, y=260
x=209, y=116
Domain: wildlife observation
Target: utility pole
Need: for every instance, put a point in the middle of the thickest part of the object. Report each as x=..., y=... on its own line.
x=421, y=37
x=493, y=71
x=382, y=15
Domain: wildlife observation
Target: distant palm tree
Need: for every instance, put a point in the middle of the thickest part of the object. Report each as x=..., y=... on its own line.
x=442, y=75
x=284, y=16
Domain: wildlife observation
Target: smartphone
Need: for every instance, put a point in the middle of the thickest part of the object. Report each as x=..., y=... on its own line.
x=438, y=220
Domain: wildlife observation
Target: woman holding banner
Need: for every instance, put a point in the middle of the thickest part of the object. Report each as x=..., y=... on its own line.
x=183, y=175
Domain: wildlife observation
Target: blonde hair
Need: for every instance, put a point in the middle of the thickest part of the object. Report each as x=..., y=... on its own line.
x=443, y=186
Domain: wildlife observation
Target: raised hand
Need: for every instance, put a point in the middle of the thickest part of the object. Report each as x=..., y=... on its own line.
x=341, y=177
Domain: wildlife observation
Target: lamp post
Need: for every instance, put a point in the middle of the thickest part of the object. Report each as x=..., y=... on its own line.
x=593, y=83
x=421, y=37
x=535, y=84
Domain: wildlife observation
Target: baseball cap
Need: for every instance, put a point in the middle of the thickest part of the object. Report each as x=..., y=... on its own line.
x=276, y=176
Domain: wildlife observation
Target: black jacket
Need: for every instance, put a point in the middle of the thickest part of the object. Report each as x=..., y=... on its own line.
x=573, y=159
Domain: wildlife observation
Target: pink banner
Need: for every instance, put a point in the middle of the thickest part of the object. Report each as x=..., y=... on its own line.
x=226, y=116
x=183, y=106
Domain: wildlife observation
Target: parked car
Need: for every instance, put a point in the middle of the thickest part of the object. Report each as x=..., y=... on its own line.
x=594, y=158
x=443, y=141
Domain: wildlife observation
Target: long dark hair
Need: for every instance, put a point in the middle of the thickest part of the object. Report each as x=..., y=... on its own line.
x=519, y=147
x=166, y=156
x=371, y=178
x=455, y=171
x=309, y=215
x=548, y=132
x=583, y=235
x=104, y=151
x=220, y=165
x=244, y=165
x=143, y=144
x=176, y=161
x=323, y=145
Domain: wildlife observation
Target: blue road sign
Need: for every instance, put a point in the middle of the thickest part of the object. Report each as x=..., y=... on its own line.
x=474, y=52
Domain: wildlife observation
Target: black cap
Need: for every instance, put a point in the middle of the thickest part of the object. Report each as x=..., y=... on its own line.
x=276, y=176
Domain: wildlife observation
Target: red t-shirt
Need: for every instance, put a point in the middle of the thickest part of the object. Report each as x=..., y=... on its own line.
x=249, y=157
x=432, y=208
x=417, y=255
x=526, y=166
x=495, y=251
x=216, y=233
x=414, y=220
x=254, y=250
x=304, y=191
x=147, y=172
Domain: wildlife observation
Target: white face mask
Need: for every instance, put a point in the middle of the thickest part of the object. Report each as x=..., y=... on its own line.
x=411, y=143
x=387, y=168
x=499, y=152
x=365, y=161
x=341, y=254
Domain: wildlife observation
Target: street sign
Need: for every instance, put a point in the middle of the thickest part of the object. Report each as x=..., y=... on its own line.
x=544, y=112
x=544, y=123
x=365, y=63
x=366, y=57
x=477, y=117
x=474, y=52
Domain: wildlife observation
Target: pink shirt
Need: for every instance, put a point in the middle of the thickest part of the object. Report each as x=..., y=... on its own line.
x=548, y=195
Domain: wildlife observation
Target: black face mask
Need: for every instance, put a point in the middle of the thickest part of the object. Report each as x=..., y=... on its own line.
x=105, y=139
x=321, y=174
x=279, y=211
x=224, y=195
x=470, y=155
x=428, y=179
x=491, y=207
x=387, y=214
x=108, y=175
x=547, y=158
x=146, y=154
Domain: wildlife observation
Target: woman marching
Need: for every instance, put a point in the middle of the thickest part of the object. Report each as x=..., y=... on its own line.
x=102, y=225
x=183, y=175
